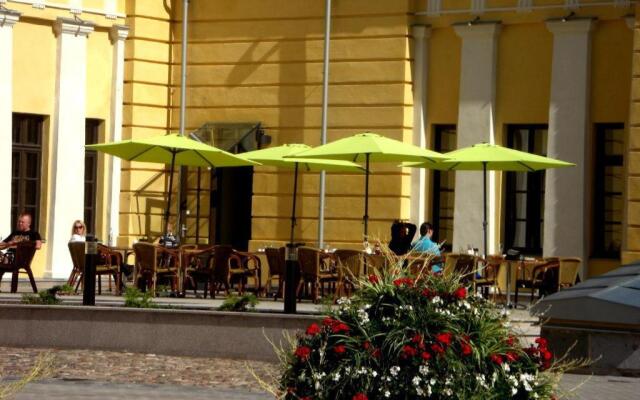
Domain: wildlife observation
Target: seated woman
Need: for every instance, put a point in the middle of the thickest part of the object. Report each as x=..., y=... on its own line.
x=401, y=236
x=78, y=231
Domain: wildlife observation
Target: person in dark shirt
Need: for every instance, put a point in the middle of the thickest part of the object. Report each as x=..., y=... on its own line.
x=402, y=234
x=22, y=233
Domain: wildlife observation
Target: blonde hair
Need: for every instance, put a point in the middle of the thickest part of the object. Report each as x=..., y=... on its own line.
x=73, y=227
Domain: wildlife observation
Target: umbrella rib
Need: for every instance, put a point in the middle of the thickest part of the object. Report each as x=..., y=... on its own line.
x=526, y=166
x=141, y=153
x=203, y=157
x=453, y=166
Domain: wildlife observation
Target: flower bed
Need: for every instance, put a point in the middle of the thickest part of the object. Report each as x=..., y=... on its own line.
x=405, y=337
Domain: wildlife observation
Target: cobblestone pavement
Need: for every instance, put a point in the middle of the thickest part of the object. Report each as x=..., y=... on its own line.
x=87, y=375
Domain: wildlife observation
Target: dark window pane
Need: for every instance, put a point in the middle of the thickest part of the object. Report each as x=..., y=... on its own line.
x=92, y=127
x=15, y=164
x=30, y=192
x=443, y=188
x=32, y=165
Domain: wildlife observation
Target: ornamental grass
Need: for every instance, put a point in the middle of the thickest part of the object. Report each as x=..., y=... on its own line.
x=403, y=336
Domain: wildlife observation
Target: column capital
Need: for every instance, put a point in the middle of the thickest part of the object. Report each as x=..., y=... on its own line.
x=421, y=31
x=118, y=32
x=577, y=25
x=8, y=18
x=72, y=27
x=489, y=29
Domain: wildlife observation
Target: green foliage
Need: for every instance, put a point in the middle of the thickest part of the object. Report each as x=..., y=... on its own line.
x=405, y=336
x=43, y=297
x=66, y=289
x=133, y=297
x=239, y=303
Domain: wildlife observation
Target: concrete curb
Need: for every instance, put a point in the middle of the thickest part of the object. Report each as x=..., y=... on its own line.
x=158, y=331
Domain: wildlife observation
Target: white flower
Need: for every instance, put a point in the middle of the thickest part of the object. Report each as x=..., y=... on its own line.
x=448, y=392
x=374, y=373
x=394, y=370
x=506, y=367
x=336, y=377
x=419, y=391
x=416, y=381
x=387, y=393
x=424, y=370
x=432, y=381
x=436, y=300
x=343, y=300
x=363, y=315
x=514, y=390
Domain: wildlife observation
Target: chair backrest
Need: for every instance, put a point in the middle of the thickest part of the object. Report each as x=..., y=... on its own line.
x=24, y=254
x=77, y=255
x=146, y=256
x=309, y=260
x=569, y=268
x=465, y=264
x=450, y=263
x=493, y=267
x=375, y=261
x=353, y=260
x=275, y=259
x=219, y=261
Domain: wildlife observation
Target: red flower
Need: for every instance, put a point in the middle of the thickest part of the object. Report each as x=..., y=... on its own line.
x=426, y=355
x=496, y=358
x=306, y=398
x=340, y=327
x=428, y=293
x=376, y=353
x=360, y=396
x=511, y=340
x=512, y=356
x=444, y=338
x=303, y=353
x=460, y=293
x=408, y=351
x=546, y=355
x=339, y=349
x=373, y=278
x=542, y=342
x=436, y=348
x=403, y=281
x=465, y=348
x=417, y=338
x=329, y=321
x=313, y=329
x=366, y=345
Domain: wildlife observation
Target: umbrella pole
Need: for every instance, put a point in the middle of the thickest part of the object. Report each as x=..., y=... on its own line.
x=166, y=212
x=293, y=210
x=366, y=200
x=484, y=205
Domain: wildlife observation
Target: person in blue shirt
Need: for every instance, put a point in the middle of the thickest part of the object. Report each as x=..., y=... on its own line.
x=425, y=245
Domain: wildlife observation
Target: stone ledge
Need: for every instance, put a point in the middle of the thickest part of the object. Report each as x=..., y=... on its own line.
x=158, y=331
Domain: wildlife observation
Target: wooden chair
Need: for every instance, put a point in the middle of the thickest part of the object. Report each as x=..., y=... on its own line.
x=450, y=263
x=244, y=266
x=491, y=272
x=21, y=259
x=219, y=266
x=350, y=267
x=154, y=262
x=568, y=272
x=277, y=268
x=76, y=249
x=543, y=277
x=109, y=262
x=315, y=269
x=197, y=267
x=465, y=265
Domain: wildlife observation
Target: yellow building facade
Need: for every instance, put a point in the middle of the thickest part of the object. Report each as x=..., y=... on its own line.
x=547, y=76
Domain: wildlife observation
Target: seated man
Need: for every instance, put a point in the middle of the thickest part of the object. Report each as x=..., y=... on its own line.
x=425, y=245
x=22, y=233
x=401, y=236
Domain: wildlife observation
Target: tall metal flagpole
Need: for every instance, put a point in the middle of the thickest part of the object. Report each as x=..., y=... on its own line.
x=325, y=99
x=183, y=104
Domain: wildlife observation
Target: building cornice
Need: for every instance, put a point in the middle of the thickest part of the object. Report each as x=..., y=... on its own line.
x=73, y=27
x=480, y=29
x=574, y=25
x=118, y=32
x=9, y=18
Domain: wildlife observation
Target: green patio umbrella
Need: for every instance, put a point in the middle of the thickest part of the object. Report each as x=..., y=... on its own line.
x=172, y=149
x=370, y=147
x=492, y=157
x=275, y=156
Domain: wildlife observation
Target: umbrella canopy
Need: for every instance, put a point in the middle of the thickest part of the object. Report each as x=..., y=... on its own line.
x=275, y=156
x=370, y=147
x=172, y=149
x=492, y=157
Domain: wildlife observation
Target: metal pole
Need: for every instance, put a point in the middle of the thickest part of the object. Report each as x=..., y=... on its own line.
x=293, y=209
x=325, y=100
x=484, y=205
x=183, y=105
x=291, y=262
x=366, y=201
x=166, y=213
x=89, y=274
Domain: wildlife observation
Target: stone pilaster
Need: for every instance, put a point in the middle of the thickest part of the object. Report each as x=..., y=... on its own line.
x=476, y=111
x=118, y=35
x=8, y=19
x=421, y=36
x=566, y=192
x=67, y=144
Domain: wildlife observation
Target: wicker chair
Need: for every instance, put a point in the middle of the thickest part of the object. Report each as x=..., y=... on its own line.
x=154, y=262
x=492, y=270
x=543, y=277
x=21, y=259
x=197, y=267
x=109, y=263
x=315, y=268
x=277, y=267
x=244, y=266
x=219, y=265
x=350, y=265
x=465, y=267
x=568, y=274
